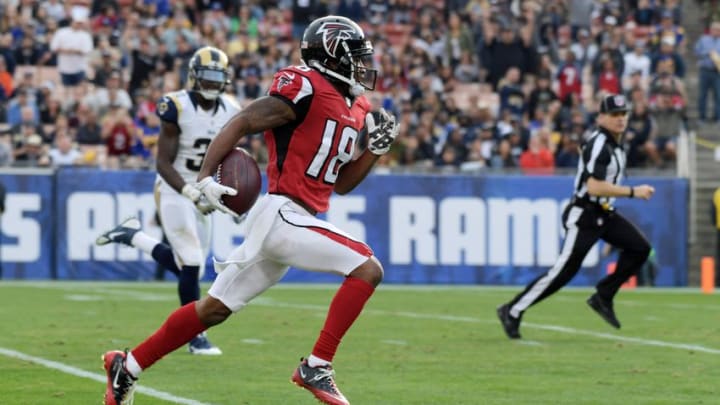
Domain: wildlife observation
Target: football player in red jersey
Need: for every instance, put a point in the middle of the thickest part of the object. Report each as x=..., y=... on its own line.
x=312, y=118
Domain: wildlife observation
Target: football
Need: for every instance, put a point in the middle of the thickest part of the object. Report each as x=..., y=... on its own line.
x=240, y=171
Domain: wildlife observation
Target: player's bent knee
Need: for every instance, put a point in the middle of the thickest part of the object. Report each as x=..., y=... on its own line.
x=212, y=311
x=370, y=271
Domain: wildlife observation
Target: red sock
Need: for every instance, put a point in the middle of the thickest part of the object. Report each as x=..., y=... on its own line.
x=344, y=309
x=179, y=328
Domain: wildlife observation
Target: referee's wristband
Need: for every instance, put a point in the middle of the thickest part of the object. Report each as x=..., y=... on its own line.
x=632, y=192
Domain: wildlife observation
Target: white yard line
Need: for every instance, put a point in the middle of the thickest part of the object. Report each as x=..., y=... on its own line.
x=96, y=377
x=106, y=288
x=467, y=319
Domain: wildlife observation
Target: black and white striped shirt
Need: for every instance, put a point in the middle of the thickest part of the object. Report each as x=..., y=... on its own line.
x=602, y=158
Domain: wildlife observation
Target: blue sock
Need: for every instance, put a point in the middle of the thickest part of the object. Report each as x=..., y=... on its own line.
x=164, y=255
x=189, y=285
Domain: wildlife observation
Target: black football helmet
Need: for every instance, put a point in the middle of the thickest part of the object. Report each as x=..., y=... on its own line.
x=338, y=48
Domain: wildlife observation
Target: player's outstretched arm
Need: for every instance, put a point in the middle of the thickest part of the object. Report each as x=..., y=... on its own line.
x=262, y=114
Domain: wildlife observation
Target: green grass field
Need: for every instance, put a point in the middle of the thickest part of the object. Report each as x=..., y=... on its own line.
x=413, y=345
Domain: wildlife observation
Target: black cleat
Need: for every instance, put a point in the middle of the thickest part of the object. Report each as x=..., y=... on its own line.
x=604, y=308
x=120, y=383
x=510, y=324
x=122, y=233
x=320, y=381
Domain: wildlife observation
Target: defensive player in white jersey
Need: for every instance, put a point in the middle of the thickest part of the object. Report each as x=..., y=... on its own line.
x=190, y=120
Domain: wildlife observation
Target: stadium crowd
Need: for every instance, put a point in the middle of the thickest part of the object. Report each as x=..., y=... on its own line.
x=476, y=84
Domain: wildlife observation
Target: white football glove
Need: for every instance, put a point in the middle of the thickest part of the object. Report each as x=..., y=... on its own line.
x=382, y=133
x=213, y=192
x=196, y=196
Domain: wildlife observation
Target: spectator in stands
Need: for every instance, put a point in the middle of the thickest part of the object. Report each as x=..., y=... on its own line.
x=28, y=122
x=537, y=159
x=6, y=51
x=669, y=118
x=112, y=95
x=504, y=49
x=640, y=137
x=105, y=67
x=50, y=107
x=644, y=13
x=165, y=60
x=634, y=82
x=667, y=27
x=608, y=50
x=54, y=9
x=61, y=126
x=458, y=40
x=117, y=131
x=512, y=97
x=467, y=70
x=143, y=65
x=584, y=49
x=64, y=153
x=569, y=155
x=31, y=52
x=146, y=137
x=707, y=50
x=89, y=131
x=454, y=151
x=31, y=153
x=502, y=157
x=250, y=88
x=667, y=51
x=425, y=152
x=569, y=76
x=665, y=79
x=475, y=158
x=637, y=61
x=72, y=45
x=542, y=94
x=608, y=80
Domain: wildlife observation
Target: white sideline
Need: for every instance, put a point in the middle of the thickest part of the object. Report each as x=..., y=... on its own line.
x=96, y=377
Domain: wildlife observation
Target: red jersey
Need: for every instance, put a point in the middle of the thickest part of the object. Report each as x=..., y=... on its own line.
x=120, y=140
x=609, y=81
x=305, y=156
x=569, y=78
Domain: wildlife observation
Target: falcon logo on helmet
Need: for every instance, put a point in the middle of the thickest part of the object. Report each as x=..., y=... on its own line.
x=332, y=34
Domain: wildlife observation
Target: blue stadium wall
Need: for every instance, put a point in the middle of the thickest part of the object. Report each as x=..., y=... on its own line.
x=426, y=229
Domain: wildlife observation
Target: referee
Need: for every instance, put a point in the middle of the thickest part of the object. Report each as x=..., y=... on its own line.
x=590, y=216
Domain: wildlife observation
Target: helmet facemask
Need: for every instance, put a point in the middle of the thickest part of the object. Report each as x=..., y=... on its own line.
x=210, y=83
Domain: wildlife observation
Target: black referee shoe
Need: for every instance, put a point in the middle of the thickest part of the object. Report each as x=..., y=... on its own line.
x=604, y=308
x=510, y=324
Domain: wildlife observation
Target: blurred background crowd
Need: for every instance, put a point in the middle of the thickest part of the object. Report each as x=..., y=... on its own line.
x=477, y=84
